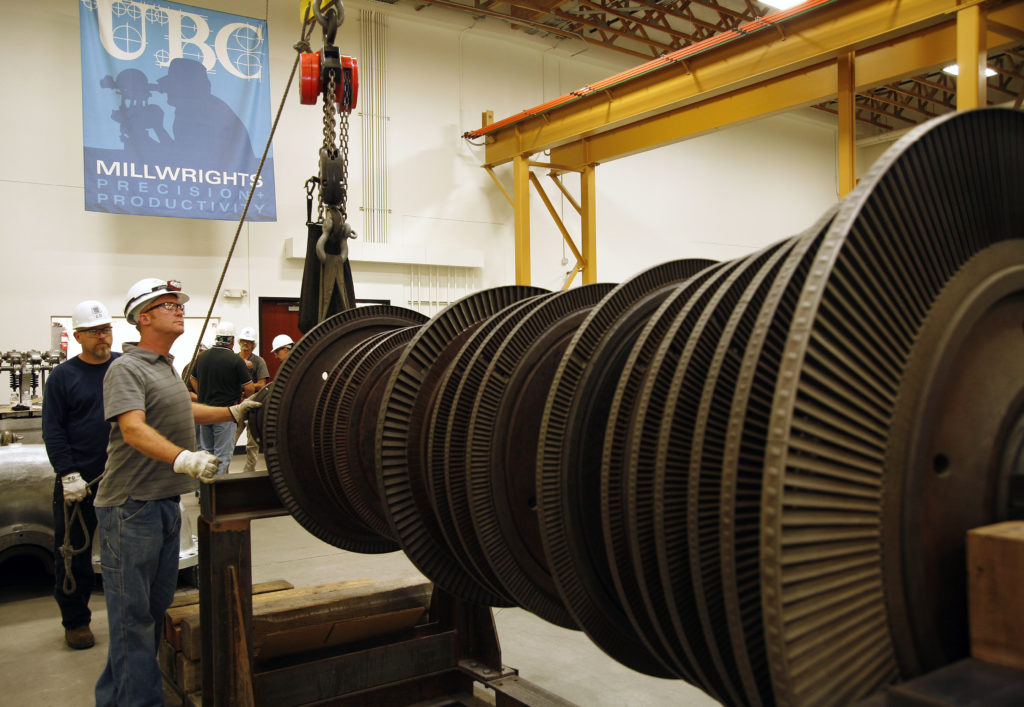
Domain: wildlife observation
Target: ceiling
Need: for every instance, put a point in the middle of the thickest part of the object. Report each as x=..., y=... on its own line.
x=646, y=29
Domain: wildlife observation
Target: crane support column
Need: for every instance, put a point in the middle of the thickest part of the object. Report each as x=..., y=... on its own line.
x=521, y=216
x=847, y=156
x=971, y=56
x=588, y=223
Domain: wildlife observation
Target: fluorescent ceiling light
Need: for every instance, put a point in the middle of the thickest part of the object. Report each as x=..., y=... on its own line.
x=954, y=70
x=782, y=4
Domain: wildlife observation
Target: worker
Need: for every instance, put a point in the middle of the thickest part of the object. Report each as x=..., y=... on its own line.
x=260, y=376
x=221, y=378
x=75, y=432
x=281, y=347
x=186, y=376
x=150, y=463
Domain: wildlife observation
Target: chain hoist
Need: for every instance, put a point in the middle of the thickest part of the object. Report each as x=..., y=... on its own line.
x=335, y=78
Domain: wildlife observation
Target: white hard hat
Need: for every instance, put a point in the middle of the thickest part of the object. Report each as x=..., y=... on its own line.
x=279, y=341
x=225, y=330
x=88, y=314
x=247, y=334
x=145, y=291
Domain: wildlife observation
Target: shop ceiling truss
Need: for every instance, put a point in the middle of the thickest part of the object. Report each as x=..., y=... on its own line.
x=910, y=101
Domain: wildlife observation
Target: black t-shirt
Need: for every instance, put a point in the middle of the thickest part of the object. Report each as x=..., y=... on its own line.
x=221, y=374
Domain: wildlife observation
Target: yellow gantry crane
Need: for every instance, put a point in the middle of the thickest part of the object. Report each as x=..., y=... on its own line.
x=819, y=51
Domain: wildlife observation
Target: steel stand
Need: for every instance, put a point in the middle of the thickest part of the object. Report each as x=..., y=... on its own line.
x=436, y=662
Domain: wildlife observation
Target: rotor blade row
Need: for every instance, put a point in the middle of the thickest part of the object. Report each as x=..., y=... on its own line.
x=694, y=467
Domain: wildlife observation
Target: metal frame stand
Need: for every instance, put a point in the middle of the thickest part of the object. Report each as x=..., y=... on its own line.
x=435, y=663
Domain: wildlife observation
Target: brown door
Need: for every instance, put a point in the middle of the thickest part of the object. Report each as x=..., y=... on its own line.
x=278, y=315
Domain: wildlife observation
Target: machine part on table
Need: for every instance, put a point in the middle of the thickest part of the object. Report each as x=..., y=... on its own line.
x=755, y=475
x=28, y=371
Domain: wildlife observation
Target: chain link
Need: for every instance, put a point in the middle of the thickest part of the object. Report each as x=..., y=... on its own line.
x=343, y=120
x=332, y=122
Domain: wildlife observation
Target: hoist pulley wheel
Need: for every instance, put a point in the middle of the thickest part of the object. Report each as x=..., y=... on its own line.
x=346, y=91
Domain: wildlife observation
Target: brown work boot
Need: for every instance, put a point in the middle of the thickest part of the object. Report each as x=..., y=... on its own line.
x=79, y=638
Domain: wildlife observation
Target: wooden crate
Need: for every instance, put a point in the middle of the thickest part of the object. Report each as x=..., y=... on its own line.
x=995, y=562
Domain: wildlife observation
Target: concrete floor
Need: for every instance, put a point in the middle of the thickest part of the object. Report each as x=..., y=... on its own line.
x=37, y=669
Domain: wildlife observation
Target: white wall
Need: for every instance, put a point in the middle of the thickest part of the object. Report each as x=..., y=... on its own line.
x=719, y=196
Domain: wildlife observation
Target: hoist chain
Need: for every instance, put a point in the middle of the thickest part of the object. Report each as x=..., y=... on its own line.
x=335, y=127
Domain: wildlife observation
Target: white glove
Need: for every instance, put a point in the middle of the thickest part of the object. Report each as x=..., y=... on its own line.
x=75, y=488
x=198, y=465
x=242, y=409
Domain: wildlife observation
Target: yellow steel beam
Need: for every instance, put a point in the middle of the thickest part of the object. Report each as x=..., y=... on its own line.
x=555, y=217
x=521, y=216
x=588, y=221
x=847, y=149
x=895, y=59
x=508, y=197
x=565, y=192
x=971, y=55
x=774, y=96
x=811, y=39
x=572, y=276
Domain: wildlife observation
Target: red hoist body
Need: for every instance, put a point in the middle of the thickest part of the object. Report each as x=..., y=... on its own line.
x=311, y=85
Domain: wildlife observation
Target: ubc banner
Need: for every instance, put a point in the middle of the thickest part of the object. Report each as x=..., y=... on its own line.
x=175, y=110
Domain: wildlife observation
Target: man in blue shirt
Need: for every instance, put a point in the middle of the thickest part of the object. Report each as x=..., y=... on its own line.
x=75, y=431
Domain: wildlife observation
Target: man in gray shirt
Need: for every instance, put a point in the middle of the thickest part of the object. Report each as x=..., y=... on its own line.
x=150, y=462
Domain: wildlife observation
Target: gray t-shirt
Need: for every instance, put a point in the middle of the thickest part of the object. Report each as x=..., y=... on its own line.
x=144, y=380
x=259, y=369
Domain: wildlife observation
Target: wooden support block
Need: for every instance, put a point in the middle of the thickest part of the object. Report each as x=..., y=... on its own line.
x=334, y=633
x=291, y=624
x=185, y=597
x=186, y=603
x=165, y=657
x=995, y=561
x=172, y=696
x=188, y=673
x=189, y=640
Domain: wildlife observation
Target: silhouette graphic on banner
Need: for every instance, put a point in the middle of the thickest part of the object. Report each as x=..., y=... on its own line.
x=205, y=130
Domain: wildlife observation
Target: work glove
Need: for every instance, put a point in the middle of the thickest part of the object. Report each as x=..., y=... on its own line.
x=75, y=488
x=198, y=465
x=242, y=409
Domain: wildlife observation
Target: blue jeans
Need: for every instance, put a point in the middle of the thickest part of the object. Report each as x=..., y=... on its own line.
x=219, y=438
x=139, y=558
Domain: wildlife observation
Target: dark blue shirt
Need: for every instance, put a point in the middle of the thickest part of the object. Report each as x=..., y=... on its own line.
x=75, y=430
